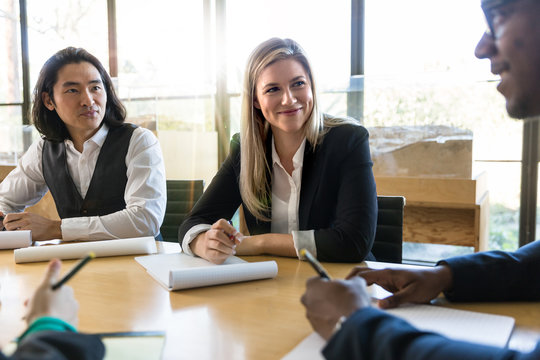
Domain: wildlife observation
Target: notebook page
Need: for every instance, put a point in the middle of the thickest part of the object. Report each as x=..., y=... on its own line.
x=15, y=239
x=487, y=329
x=309, y=349
x=494, y=330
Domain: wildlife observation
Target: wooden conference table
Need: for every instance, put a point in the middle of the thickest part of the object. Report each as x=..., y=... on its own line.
x=254, y=320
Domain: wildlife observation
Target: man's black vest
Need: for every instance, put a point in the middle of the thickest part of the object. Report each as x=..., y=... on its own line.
x=105, y=193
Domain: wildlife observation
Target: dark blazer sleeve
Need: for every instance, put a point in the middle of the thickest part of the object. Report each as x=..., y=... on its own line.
x=371, y=334
x=59, y=346
x=338, y=196
x=497, y=275
x=222, y=197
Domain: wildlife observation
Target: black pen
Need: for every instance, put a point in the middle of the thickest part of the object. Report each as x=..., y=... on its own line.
x=315, y=264
x=231, y=236
x=73, y=271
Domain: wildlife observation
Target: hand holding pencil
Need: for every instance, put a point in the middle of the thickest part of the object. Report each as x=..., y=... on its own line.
x=58, y=303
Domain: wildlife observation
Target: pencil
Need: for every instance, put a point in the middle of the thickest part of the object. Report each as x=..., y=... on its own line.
x=74, y=270
x=315, y=264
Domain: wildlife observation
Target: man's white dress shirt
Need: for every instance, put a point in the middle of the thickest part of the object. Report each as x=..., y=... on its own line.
x=145, y=194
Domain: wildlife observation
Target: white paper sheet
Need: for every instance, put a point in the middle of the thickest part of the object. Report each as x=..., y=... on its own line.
x=487, y=329
x=309, y=349
x=118, y=247
x=15, y=239
x=180, y=271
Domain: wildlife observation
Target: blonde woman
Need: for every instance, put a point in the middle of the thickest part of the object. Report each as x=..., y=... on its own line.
x=303, y=178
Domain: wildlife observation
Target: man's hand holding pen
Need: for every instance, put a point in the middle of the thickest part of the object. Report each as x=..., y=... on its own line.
x=329, y=302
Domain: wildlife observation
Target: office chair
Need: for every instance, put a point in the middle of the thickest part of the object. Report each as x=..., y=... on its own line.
x=388, y=244
x=181, y=196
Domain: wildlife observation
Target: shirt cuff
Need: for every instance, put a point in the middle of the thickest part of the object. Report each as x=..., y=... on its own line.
x=47, y=323
x=191, y=235
x=75, y=228
x=304, y=239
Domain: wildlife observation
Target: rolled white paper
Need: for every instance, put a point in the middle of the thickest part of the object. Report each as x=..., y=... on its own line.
x=180, y=271
x=133, y=246
x=15, y=239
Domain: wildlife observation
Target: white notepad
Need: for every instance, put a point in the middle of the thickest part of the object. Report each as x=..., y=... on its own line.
x=180, y=271
x=15, y=239
x=486, y=329
x=118, y=247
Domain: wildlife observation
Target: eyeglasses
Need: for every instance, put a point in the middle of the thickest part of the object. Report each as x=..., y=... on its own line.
x=489, y=28
x=499, y=13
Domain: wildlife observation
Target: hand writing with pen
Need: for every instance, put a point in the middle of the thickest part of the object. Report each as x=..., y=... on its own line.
x=218, y=243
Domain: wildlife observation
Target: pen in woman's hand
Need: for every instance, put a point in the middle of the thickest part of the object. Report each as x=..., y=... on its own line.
x=231, y=236
x=236, y=236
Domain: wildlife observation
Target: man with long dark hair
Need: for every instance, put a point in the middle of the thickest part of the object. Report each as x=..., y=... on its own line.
x=107, y=177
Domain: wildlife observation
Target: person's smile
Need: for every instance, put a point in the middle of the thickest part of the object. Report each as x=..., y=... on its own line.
x=290, y=112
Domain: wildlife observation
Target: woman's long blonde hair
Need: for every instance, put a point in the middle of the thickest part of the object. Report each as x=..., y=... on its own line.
x=254, y=186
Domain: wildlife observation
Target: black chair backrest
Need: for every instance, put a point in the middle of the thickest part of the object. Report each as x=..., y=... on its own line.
x=181, y=196
x=388, y=245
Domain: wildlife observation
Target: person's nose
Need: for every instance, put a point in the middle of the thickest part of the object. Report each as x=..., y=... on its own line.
x=485, y=48
x=288, y=97
x=87, y=98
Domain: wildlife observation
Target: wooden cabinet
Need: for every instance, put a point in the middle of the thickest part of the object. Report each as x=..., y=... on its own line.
x=442, y=210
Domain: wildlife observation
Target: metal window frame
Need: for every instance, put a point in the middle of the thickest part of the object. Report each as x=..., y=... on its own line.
x=355, y=94
x=529, y=181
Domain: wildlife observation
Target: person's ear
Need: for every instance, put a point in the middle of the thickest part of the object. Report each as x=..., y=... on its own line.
x=256, y=103
x=47, y=101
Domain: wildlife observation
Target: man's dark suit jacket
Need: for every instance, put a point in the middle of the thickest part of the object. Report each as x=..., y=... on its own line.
x=58, y=345
x=338, y=198
x=492, y=276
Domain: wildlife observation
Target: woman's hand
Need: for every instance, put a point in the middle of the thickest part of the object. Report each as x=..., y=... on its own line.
x=218, y=243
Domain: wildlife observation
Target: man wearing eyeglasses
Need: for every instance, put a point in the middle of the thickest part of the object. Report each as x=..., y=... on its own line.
x=340, y=310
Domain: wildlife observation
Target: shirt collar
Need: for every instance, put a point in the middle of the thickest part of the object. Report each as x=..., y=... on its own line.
x=98, y=138
x=298, y=158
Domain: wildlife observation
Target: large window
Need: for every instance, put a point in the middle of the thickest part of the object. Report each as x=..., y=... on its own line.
x=57, y=24
x=322, y=28
x=181, y=63
x=10, y=86
x=166, y=77
x=421, y=73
